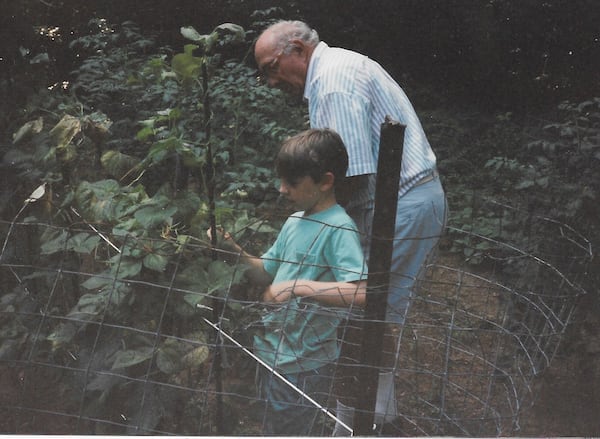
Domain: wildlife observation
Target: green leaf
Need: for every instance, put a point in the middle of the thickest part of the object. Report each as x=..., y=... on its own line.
x=168, y=357
x=195, y=301
x=127, y=267
x=153, y=216
x=83, y=243
x=131, y=357
x=145, y=133
x=57, y=241
x=162, y=149
x=89, y=306
x=155, y=262
x=98, y=281
x=221, y=276
x=186, y=65
x=118, y=164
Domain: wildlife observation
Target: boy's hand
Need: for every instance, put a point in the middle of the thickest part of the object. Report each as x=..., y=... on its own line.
x=279, y=292
x=224, y=239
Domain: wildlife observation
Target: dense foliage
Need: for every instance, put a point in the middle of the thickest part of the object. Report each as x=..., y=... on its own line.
x=134, y=158
x=493, y=53
x=146, y=145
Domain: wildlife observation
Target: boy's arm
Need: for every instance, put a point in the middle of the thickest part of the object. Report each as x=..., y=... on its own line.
x=330, y=293
x=257, y=273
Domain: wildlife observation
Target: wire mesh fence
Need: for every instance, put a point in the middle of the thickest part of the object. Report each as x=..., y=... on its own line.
x=85, y=350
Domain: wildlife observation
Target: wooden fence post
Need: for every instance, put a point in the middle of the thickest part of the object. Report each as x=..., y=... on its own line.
x=384, y=220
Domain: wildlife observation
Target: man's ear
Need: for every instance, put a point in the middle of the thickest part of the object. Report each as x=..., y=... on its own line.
x=299, y=46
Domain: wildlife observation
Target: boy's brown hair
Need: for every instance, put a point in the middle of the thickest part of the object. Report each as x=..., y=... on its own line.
x=312, y=153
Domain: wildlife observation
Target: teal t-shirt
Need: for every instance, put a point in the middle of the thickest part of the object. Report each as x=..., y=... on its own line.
x=301, y=334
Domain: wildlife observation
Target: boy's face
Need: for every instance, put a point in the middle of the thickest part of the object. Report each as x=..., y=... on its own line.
x=304, y=194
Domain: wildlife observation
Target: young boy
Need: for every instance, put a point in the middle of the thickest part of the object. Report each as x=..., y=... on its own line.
x=315, y=265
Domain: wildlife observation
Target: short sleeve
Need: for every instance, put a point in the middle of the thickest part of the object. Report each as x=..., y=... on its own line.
x=345, y=256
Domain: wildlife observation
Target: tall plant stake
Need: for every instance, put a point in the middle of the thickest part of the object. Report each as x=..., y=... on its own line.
x=216, y=305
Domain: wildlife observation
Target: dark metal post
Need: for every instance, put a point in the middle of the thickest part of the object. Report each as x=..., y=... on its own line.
x=384, y=221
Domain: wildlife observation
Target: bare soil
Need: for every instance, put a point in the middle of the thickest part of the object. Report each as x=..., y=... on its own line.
x=568, y=393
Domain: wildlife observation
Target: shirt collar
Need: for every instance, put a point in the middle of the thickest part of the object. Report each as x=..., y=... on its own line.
x=312, y=67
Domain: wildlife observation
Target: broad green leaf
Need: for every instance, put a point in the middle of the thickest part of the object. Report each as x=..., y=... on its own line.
x=83, y=243
x=162, y=149
x=98, y=281
x=221, y=276
x=156, y=262
x=131, y=357
x=195, y=301
x=128, y=267
x=168, y=358
x=145, y=133
x=186, y=65
x=153, y=216
x=89, y=306
x=56, y=244
x=118, y=293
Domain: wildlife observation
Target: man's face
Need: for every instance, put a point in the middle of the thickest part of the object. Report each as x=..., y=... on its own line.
x=282, y=68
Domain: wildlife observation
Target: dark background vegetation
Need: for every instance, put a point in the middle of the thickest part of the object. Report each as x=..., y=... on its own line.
x=495, y=54
x=489, y=79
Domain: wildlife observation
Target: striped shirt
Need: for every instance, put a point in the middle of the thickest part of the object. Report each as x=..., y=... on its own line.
x=352, y=94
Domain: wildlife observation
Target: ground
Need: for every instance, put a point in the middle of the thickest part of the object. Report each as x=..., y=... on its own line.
x=568, y=393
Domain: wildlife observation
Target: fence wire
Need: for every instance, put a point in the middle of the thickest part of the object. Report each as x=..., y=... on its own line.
x=486, y=318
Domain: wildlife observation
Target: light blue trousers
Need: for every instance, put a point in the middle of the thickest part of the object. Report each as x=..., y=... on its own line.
x=420, y=222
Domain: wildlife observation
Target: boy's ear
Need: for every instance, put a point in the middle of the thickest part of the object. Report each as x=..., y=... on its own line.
x=327, y=181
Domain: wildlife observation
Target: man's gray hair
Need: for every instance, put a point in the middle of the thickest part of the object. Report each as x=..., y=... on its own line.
x=288, y=30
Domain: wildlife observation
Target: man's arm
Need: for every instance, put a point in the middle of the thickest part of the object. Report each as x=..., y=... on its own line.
x=341, y=294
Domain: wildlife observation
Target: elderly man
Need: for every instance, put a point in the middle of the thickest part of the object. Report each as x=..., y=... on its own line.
x=352, y=94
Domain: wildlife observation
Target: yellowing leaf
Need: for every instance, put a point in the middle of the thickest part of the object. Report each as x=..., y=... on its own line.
x=196, y=356
x=31, y=127
x=65, y=130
